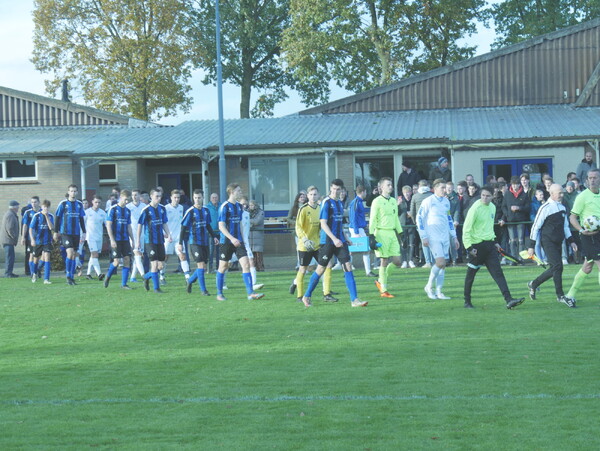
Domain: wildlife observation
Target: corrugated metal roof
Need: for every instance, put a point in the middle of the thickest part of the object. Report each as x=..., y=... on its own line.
x=449, y=126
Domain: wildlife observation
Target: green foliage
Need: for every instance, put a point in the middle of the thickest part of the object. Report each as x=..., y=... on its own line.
x=89, y=367
x=250, y=35
x=368, y=43
x=125, y=56
x=518, y=20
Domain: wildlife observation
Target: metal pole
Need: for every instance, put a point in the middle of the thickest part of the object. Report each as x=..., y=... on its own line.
x=222, y=167
x=82, y=187
x=205, y=186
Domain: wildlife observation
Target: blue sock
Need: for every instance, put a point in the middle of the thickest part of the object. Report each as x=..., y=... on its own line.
x=124, y=276
x=193, y=277
x=200, y=276
x=46, y=270
x=148, y=275
x=111, y=271
x=155, y=282
x=248, y=282
x=73, y=267
x=68, y=268
x=351, y=285
x=35, y=267
x=312, y=284
x=220, y=282
x=32, y=268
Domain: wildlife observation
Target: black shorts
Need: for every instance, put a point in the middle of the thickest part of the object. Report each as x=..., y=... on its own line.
x=70, y=241
x=199, y=253
x=37, y=250
x=29, y=249
x=226, y=250
x=307, y=256
x=156, y=252
x=590, y=246
x=122, y=250
x=327, y=251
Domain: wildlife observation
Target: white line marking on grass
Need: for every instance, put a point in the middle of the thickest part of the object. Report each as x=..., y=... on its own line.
x=285, y=398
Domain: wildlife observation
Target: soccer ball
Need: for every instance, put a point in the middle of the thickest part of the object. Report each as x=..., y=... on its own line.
x=591, y=223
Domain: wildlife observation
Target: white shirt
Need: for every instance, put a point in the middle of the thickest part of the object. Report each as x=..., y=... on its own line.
x=246, y=227
x=434, y=220
x=136, y=211
x=93, y=222
x=174, y=217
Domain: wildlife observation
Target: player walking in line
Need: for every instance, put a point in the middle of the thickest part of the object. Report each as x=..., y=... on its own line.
x=586, y=205
x=95, y=217
x=479, y=242
x=70, y=222
x=153, y=221
x=333, y=242
x=197, y=231
x=136, y=206
x=230, y=218
x=40, y=235
x=384, y=224
x=436, y=229
x=358, y=224
x=118, y=226
x=174, y=216
x=551, y=228
x=26, y=239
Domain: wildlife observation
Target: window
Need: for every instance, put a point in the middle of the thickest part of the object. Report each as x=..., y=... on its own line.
x=107, y=172
x=535, y=167
x=17, y=169
x=368, y=171
x=311, y=171
x=269, y=182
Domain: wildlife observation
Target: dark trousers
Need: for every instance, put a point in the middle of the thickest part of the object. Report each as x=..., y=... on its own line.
x=553, y=252
x=9, y=259
x=486, y=255
x=27, y=257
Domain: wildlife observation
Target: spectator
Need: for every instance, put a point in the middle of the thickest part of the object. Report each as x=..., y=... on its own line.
x=470, y=181
x=516, y=207
x=571, y=193
x=499, y=229
x=526, y=183
x=490, y=179
x=472, y=197
x=213, y=209
x=299, y=200
x=423, y=193
x=545, y=185
x=257, y=236
x=455, y=214
x=500, y=180
x=9, y=235
x=408, y=177
x=586, y=164
x=408, y=227
x=441, y=170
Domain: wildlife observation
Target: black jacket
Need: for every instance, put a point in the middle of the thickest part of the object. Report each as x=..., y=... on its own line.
x=522, y=201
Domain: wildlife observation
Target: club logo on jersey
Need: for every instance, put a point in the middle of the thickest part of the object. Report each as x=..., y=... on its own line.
x=152, y=252
x=114, y=253
x=222, y=255
x=325, y=257
x=196, y=254
x=67, y=242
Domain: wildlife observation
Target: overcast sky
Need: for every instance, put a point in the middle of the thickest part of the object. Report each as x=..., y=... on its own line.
x=17, y=71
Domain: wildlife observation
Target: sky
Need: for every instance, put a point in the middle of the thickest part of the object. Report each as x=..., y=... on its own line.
x=18, y=72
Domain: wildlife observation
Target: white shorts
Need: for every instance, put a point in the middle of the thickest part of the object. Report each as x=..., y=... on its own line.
x=439, y=248
x=361, y=232
x=171, y=248
x=95, y=244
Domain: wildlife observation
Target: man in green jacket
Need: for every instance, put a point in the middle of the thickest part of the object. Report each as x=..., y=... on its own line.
x=482, y=249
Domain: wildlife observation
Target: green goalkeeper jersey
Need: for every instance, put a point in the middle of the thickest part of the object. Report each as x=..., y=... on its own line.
x=479, y=224
x=384, y=215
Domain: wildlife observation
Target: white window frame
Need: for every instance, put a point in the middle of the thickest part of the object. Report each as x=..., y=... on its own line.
x=104, y=181
x=5, y=177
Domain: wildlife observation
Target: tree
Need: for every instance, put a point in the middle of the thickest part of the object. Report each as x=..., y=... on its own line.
x=362, y=44
x=250, y=35
x=517, y=20
x=126, y=56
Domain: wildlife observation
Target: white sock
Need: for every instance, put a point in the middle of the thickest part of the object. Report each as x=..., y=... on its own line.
x=89, y=271
x=96, y=264
x=439, y=281
x=367, y=262
x=433, y=275
x=185, y=266
x=139, y=264
x=253, y=273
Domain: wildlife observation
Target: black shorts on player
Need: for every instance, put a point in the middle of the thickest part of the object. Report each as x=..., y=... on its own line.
x=37, y=251
x=327, y=251
x=122, y=250
x=29, y=248
x=199, y=253
x=590, y=246
x=156, y=252
x=226, y=250
x=70, y=241
x=307, y=256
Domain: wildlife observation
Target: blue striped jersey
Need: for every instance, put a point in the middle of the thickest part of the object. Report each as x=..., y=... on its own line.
x=120, y=218
x=40, y=228
x=231, y=215
x=153, y=219
x=333, y=212
x=70, y=217
x=27, y=217
x=195, y=222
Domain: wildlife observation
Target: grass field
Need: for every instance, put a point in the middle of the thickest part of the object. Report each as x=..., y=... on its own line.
x=86, y=367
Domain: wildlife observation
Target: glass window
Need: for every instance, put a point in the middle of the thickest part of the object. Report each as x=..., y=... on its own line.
x=311, y=171
x=107, y=172
x=269, y=182
x=368, y=171
x=20, y=169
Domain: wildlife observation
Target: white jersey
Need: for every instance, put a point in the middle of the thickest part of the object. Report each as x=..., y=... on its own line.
x=174, y=217
x=93, y=223
x=136, y=211
x=434, y=220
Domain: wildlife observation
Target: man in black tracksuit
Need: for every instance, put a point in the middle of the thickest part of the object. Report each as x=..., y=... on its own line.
x=516, y=207
x=552, y=227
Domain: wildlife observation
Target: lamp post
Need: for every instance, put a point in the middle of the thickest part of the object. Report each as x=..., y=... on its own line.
x=222, y=167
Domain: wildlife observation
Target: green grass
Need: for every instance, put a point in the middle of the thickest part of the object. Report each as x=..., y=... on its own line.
x=85, y=367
